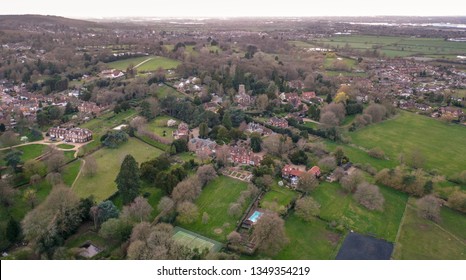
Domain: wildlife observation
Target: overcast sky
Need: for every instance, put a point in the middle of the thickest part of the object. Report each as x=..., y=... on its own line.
x=233, y=8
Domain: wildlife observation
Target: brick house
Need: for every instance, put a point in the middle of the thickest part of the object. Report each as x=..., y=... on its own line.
x=244, y=155
x=202, y=146
x=182, y=131
x=308, y=95
x=278, y=122
x=293, y=173
x=74, y=135
x=255, y=127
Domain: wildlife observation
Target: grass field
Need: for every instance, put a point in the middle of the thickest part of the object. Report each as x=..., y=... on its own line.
x=108, y=121
x=441, y=144
x=159, y=125
x=309, y=240
x=152, y=63
x=193, y=241
x=421, y=239
x=102, y=185
x=164, y=91
x=215, y=200
x=281, y=195
x=341, y=207
x=392, y=46
x=65, y=146
x=71, y=171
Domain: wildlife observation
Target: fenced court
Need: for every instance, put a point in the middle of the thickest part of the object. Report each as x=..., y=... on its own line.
x=193, y=240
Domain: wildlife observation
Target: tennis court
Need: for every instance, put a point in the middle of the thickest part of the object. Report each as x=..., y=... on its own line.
x=193, y=240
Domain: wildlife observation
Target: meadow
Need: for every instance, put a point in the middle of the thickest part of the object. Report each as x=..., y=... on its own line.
x=421, y=239
x=145, y=63
x=441, y=144
x=215, y=200
x=338, y=206
x=102, y=185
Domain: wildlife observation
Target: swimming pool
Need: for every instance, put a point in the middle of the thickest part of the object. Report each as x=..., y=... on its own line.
x=255, y=216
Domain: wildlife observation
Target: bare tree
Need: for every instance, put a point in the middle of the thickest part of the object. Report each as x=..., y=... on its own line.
x=221, y=155
x=139, y=210
x=54, y=178
x=234, y=210
x=234, y=238
x=187, y=190
x=306, y=208
x=269, y=234
x=206, y=173
x=351, y=181
x=205, y=218
x=31, y=197
x=278, y=145
x=327, y=163
x=90, y=167
x=457, y=200
x=328, y=120
x=376, y=111
x=35, y=179
x=337, y=109
x=416, y=159
x=262, y=102
x=307, y=183
x=138, y=122
x=55, y=160
x=369, y=196
x=7, y=193
x=187, y=212
x=166, y=205
x=428, y=207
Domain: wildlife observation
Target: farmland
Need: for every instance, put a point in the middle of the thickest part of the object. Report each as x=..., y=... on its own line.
x=102, y=185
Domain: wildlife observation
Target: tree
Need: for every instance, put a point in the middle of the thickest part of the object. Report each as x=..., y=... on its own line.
x=457, y=200
x=139, y=210
x=203, y=130
x=8, y=139
x=187, y=190
x=187, y=212
x=206, y=173
x=256, y=141
x=337, y=109
x=138, y=122
x=327, y=163
x=113, y=139
x=376, y=152
x=90, y=167
x=306, y=208
x=221, y=155
x=298, y=157
x=128, y=179
x=30, y=195
x=351, y=181
x=341, y=97
x=34, y=167
x=35, y=179
x=155, y=243
x=376, y=111
x=165, y=205
x=328, y=120
x=115, y=230
x=234, y=238
x=226, y=120
x=54, y=178
x=235, y=209
x=55, y=160
x=13, y=159
x=369, y=196
x=13, y=231
x=106, y=210
x=269, y=234
x=262, y=102
x=339, y=155
x=307, y=183
x=7, y=193
x=428, y=207
x=416, y=159
x=278, y=145
x=205, y=218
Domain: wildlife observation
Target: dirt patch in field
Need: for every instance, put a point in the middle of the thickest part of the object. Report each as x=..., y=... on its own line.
x=334, y=238
x=218, y=231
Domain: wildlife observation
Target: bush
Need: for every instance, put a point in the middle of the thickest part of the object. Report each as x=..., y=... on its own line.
x=369, y=196
x=377, y=153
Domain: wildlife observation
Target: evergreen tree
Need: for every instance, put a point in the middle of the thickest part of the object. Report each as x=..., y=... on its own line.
x=128, y=179
x=13, y=230
x=226, y=121
x=256, y=142
x=329, y=98
x=203, y=130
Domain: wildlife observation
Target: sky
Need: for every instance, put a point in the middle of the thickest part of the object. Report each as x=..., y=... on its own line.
x=233, y=8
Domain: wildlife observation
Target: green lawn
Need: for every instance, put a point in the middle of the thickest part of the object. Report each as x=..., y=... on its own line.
x=442, y=144
x=283, y=196
x=357, y=155
x=215, y=199
x=421, y=239
x=152, y=63
x=108, y=121
x=164, y=91
x=341, y=207
x=102, y=185
x=309, y=240
x=153, y=196
x=159, y=125
x=71, y=171
x=65, y=146
x=31, y=151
